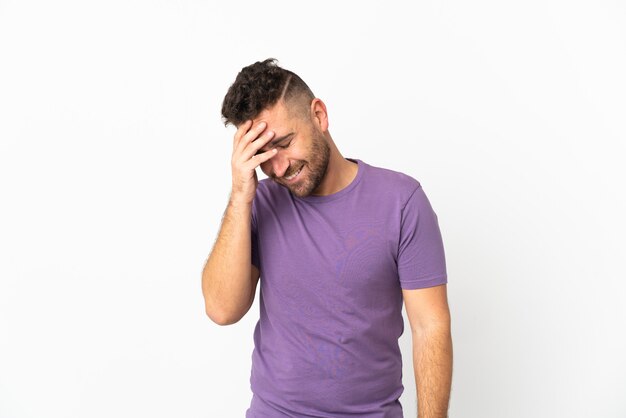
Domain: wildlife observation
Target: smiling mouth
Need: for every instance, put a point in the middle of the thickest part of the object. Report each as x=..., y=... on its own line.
x=294, y=175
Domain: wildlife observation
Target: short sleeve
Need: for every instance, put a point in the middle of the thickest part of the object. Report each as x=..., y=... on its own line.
x=255, y=238
x=421, y=256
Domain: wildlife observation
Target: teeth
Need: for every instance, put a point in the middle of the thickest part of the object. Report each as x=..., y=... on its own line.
x=293, y=175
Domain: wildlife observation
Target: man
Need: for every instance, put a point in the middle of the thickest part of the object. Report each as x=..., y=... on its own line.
x=338, y=245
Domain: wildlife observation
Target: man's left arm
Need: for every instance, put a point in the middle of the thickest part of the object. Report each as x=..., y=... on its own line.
x=429, y=316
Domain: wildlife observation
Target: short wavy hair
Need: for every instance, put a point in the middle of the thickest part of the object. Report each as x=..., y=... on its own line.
x=260, y=86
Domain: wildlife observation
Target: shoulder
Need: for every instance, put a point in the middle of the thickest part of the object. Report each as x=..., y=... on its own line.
x=392, y=184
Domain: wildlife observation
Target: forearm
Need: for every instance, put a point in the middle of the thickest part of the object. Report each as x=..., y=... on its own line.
x=432, y=364
x=226, y=278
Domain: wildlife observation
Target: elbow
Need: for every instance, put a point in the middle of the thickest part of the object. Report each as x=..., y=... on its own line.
x=435, y=329
x=216, y=313
x=221, y=313
x=221, y=318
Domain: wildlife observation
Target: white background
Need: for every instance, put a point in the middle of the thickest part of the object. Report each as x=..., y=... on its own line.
x=115, y=172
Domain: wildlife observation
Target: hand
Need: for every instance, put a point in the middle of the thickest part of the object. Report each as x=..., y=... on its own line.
x=245, y=159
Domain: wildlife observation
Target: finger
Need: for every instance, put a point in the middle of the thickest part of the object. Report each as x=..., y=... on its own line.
x=259, y=159
x=250, y=136
x=241, y=131
x=253, y=148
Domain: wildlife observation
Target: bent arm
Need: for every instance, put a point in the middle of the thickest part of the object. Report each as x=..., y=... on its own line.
x=229, y=279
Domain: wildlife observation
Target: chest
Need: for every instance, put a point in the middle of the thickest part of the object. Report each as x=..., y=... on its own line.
x=345, y=256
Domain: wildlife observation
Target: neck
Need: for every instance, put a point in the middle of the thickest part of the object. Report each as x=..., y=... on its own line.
x=339, y=173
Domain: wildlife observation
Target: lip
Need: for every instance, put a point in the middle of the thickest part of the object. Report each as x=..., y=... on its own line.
x=295, y=178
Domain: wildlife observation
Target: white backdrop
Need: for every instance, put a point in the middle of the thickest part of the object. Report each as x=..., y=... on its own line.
x=115, y=172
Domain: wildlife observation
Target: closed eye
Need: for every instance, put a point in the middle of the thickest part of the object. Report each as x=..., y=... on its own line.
x=283, y=146
x=277, y=146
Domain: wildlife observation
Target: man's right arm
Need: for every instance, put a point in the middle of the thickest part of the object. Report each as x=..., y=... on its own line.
x=229, y=279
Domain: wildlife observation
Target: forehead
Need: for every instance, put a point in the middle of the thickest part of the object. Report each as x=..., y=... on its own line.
x=277, y=118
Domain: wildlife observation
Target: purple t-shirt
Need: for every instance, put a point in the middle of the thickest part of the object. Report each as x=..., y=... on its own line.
x=332, y=272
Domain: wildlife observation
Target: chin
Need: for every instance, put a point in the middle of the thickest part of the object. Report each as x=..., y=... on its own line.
x=300, y=190
x=297, y=191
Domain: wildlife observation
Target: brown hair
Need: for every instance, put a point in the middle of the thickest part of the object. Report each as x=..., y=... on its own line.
x=261, y=85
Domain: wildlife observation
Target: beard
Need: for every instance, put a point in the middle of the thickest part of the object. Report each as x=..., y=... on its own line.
x=314, y=168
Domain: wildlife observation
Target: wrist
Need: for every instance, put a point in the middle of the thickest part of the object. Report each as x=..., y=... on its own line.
x=239, y=202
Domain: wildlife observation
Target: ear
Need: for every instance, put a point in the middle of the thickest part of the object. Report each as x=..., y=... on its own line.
x=319, y=115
